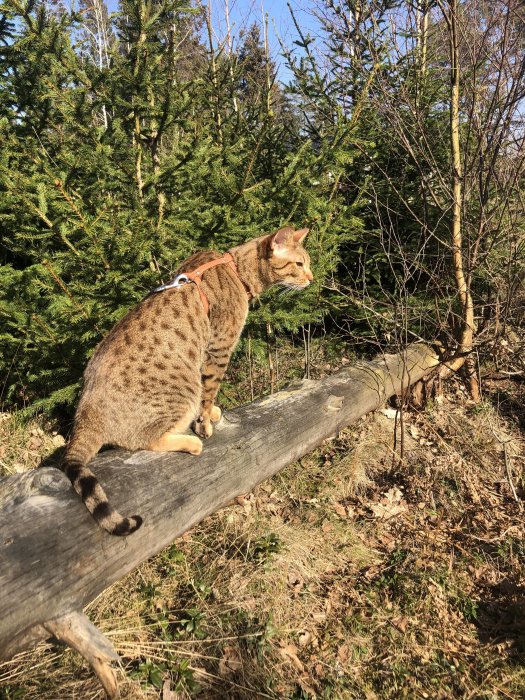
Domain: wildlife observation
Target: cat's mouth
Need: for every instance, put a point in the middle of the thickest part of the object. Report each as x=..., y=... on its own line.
x=295, y=285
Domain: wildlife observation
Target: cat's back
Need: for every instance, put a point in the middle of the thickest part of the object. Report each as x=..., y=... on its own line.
x=168, y=329
x=165, y=328
x=225, y=294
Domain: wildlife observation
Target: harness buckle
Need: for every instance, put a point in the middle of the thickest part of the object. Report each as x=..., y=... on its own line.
x=179, y=281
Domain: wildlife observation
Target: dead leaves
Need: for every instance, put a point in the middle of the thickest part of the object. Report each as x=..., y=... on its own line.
x=401, y=623
x=344, y=653
x=23, y=447
x=295, y=581
x=230, y=662
x=168, y=693
x=305, y=638
x=345, y=512
x=391, y=504
x=288, y=653
x=261, y=502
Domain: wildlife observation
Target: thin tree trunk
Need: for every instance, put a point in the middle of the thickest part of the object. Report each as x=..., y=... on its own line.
x=230, y=53
x=269, y=108
x=423, y=37
x=214, y=76
x=466, y=334
x=137, y=125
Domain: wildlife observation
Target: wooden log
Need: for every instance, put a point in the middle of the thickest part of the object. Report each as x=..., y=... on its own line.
x=54, y=559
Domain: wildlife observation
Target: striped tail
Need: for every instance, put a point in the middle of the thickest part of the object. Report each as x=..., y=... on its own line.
x=91, y=492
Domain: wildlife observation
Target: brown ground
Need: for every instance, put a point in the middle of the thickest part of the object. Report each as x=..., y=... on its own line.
x=355, y=573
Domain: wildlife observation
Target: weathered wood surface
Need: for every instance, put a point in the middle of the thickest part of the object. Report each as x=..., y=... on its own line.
x=54, y=559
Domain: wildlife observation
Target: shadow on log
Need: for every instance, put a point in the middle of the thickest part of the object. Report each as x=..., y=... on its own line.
x=53, y=557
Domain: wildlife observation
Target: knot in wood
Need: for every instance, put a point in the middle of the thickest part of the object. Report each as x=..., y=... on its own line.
x=334, y=403
x=49, y=480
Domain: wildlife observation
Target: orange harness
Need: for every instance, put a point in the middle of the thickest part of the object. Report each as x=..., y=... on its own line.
x=196, y=277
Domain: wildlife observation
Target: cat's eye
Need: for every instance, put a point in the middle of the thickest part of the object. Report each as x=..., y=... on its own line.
x=299, y=264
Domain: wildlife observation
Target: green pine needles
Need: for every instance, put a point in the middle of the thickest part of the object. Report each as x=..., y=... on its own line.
x=128, y=144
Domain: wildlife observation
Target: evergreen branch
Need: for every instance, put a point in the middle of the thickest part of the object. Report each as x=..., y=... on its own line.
x=83, y=222
x=50, y=334
x=64, y=288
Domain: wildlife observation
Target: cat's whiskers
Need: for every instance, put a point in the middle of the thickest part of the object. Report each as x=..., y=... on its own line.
x=290, y=287
x=286, y=290
x=293, y=285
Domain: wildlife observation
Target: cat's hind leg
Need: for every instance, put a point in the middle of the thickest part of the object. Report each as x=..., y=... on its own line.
x=212, y=373
x=203, y=426
x=175, y=438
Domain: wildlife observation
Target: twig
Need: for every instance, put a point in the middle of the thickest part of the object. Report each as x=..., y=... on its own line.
x=509, y=472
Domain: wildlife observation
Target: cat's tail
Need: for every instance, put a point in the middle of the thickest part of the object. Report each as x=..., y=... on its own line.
x=79, y=452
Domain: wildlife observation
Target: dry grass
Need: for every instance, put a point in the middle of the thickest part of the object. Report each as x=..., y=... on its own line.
x=23, y=445
x=355, y=573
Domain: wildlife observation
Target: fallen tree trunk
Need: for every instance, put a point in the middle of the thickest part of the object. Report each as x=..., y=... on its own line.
x=54, y=559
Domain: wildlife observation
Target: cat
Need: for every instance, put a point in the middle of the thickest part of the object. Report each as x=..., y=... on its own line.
x=158, y=371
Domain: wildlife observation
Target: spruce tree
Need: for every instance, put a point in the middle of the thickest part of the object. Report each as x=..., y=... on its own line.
x=115, y=170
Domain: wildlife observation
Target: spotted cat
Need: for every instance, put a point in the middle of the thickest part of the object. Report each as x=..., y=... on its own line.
x=158, y=370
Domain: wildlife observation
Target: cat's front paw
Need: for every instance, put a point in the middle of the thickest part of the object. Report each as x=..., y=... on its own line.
x=215, y=414
x=202, y=427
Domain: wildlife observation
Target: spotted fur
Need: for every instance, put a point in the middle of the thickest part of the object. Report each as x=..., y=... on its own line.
x=159, y=369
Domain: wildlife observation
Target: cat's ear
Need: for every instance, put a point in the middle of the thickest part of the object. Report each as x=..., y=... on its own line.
x=282, y=236
x=300, y=234
x=281, y=240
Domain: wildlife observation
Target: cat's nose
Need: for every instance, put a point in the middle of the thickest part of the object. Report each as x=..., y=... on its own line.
x=309, y=275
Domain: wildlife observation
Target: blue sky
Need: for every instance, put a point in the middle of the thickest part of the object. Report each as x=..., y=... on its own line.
x=244, y=12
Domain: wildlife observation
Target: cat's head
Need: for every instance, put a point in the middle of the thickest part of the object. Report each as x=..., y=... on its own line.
x=289, y=261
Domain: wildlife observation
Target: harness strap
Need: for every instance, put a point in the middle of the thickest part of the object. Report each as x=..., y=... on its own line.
x=196, y=277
